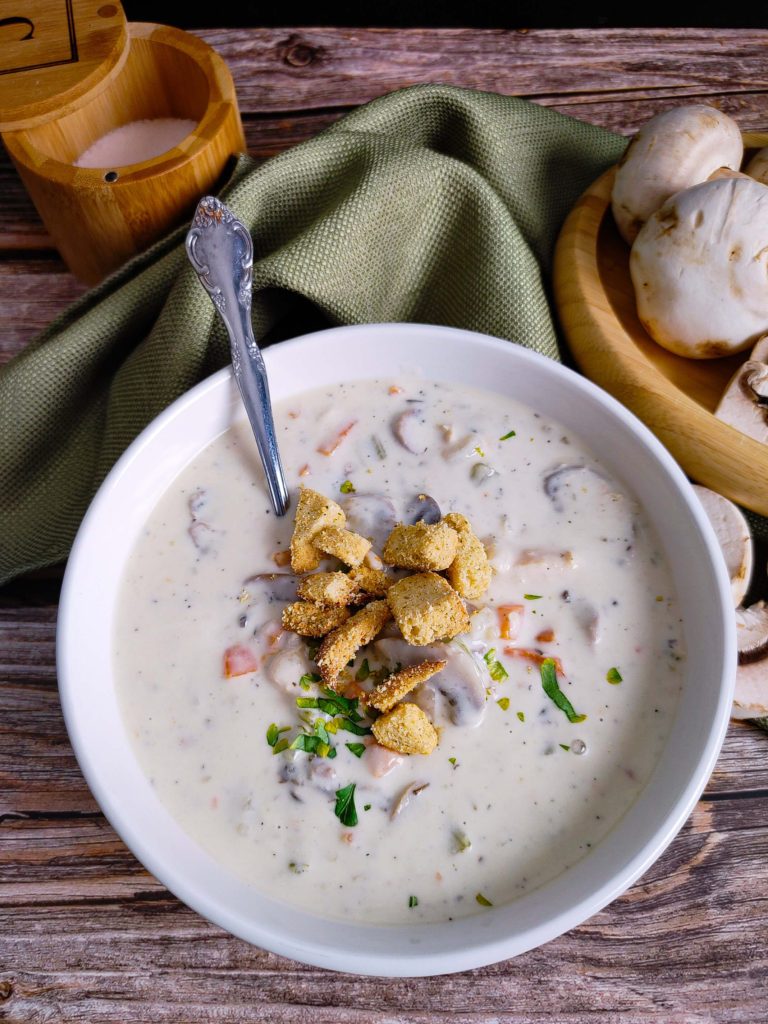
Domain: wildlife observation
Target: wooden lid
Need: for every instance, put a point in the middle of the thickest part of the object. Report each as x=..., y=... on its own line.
x=55, y=54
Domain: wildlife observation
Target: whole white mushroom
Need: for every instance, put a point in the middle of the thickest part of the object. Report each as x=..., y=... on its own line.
x=675, y=149
x=699, y=269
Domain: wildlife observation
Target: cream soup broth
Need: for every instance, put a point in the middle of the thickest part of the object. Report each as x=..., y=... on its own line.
x=516, y=791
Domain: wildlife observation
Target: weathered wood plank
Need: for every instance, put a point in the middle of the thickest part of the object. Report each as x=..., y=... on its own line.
x=687, y=942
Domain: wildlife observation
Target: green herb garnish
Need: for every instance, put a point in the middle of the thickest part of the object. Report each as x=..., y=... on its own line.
x=503, y=703
x=553, y=691
x=307, y=679
x=345, y=805
x=413, y=901
x=347, y=487
x=521, y=715
x=613, y=676
x=453, y=761
x=506, y=437
x=564, y=746
x=483, y=901
x=272, y=734
x=463, y=842
x=496, y=670
x=532, y=597
x=281, y=745
x=363, y=672
x=311, y=744
x=358, y=749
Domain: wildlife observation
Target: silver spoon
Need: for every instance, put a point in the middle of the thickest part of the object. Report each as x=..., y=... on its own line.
x=220, y=249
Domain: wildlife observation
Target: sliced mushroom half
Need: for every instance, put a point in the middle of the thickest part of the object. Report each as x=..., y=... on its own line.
x=744, y=403
x=734, y=536
x=750, y=698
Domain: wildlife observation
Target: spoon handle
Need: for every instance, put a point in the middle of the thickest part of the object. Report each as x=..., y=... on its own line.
x=220, y=249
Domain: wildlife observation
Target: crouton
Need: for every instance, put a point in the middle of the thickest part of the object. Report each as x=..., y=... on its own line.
x=470, y=572
x=341, y=645
x=423, y=546
x=427, y=608
x=399, y=684
x=329, y=589
x=375, y=582
x=310, y=619
x=348, y=547
x=405, y=729
x=314, y=512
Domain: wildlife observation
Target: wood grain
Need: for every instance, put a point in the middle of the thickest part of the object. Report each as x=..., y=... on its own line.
x=86, y=934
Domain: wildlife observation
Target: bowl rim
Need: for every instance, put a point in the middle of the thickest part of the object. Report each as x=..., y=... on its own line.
x=411, y=950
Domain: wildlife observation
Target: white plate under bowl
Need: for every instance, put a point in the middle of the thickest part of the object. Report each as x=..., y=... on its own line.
x=111, y=769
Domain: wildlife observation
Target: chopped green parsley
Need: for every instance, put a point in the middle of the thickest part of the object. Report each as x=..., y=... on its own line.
x=553, y=691
x=613, y=676
x=345, y=805
x=347, y=487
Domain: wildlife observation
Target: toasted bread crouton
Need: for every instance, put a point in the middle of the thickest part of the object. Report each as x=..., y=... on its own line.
x=309, y=619
x=329, y=589
x=423, y=546
x=375, y=582
x=314, y=512
x=427, y=608
x=470, y=572
x=405, y=729
x=399, y=684
x=341, y=645
x=350, y=548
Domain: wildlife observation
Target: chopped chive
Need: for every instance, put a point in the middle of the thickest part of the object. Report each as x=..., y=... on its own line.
x=281, y=745
x=521, y=715
x=381, y=451
x=613, y=676
x=413, y=901
x=347, y=487
x=553, y=691
x=532, y=597
x=564, y=746
x=483, y=901
x=506, y=437
x=503, y=703
x=345, y=805
x=358, y=749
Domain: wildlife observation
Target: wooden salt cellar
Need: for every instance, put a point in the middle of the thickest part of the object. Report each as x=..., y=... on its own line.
x=73, y=70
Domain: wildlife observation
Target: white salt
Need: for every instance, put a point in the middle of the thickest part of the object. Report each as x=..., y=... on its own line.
x=136, y=141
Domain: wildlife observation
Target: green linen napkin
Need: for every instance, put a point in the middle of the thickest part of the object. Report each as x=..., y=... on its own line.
x=433, y=204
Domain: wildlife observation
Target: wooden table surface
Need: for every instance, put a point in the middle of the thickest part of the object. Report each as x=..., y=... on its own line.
x=86, y=934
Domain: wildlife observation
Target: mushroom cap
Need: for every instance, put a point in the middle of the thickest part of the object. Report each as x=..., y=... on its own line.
x=675, y=149
x=699, y=268
x=758, y=166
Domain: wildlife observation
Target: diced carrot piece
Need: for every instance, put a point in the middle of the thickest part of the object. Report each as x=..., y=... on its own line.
x=329, y=447
x=395, y=389
x=305, y=470
x=239, y=659
x=535, y=656
x=546, y=636
x=510, y=620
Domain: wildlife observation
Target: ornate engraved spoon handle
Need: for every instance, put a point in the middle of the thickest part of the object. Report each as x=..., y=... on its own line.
x=221, y=250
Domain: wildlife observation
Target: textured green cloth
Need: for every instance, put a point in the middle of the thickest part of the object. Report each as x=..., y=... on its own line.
x=431, y=204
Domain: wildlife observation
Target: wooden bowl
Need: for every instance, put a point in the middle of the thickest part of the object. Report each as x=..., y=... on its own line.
x=674, y=396
x=98, y=218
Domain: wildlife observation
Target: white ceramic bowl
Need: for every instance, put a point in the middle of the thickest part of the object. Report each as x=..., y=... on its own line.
x=113, y=773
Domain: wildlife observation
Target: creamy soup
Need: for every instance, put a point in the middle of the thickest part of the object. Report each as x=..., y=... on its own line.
x=525, y=779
